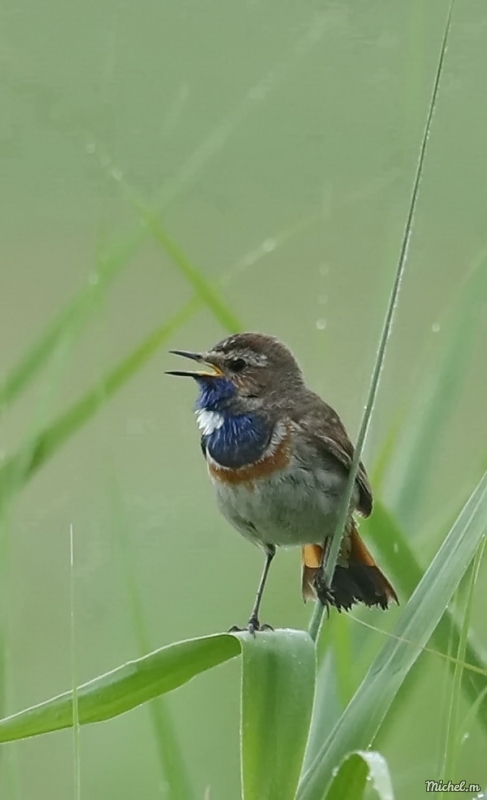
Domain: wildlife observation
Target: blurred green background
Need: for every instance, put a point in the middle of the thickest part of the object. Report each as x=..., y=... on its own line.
x=279, y=141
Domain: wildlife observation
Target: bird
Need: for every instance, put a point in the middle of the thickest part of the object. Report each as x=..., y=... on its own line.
x=279, y=457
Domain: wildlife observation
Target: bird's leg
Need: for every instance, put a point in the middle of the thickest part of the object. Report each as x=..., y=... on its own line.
x=254, y=624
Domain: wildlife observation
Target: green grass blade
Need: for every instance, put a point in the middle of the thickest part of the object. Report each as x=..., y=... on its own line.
x=453, y=740
x=360, y=773
x=69, y=322
x=149, y=216
x=361, y=720
x=332, y=555
x=173, y=768
x=278, y=679
x=327, y=707
x=20, y=467
x=124, y=688
x=75, y=315
x=340, y=634
x=204, y=288
x=418, y=443
x=74, y=683
x=401, y=563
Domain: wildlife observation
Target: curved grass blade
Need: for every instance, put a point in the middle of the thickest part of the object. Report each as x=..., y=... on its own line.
x=406, y=572
x=360, y=771
x=278, y=679
x=453, y=740
x=69, y=322
x=20, y=467
x=362, y=719
x=434, y=402
x=149, y=217
x=277, y=695
x=204, y=288
x=123, y=688
x=77, y=312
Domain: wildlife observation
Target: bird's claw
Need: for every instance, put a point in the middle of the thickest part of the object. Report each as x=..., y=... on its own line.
x=253, y=627
x=324, y=592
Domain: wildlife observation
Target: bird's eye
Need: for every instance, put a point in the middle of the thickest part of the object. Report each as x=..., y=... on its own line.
x=236, y=364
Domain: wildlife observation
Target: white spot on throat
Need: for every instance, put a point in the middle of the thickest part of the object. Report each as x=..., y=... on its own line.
x=209, y=421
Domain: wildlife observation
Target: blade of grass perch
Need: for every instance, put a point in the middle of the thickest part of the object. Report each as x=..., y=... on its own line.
x=361, y=772
x=417, y=445
x=406, y=572
x=362, y=718
x=278, y=679
x=333, y=550
x=124, y=688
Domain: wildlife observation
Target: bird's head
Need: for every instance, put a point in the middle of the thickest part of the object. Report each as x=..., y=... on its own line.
x=243, y=372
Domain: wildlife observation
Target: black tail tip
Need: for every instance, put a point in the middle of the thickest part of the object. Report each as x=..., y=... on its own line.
x=357, y=583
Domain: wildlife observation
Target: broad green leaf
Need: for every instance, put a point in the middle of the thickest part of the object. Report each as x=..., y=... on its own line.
x=399, y=561
x=278, y=679
x=362, y=718
x=124, y=688
x=277, y=695
x=358, y=772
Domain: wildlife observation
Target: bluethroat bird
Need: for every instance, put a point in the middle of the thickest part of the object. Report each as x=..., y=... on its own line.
x=278, y=457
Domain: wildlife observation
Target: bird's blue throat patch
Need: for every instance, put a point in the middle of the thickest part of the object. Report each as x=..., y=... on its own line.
x=236, y=439
x=214, y=393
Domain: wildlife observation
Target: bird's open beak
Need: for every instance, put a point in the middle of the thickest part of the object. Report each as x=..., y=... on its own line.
x=213, y=372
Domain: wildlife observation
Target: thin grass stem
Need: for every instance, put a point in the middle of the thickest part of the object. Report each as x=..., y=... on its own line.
x=333, y=550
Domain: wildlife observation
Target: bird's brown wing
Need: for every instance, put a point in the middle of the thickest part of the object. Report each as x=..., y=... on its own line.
x=326, y=434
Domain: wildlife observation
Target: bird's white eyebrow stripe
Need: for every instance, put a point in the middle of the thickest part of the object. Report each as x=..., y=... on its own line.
x=209, y=421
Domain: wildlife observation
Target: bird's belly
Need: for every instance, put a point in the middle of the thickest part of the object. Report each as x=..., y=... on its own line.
x=292, y=506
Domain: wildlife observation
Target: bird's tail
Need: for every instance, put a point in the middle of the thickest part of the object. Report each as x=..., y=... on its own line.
x=357, y=578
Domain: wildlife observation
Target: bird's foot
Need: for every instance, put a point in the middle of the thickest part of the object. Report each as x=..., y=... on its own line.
x=253, y=627
x=324, y=592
